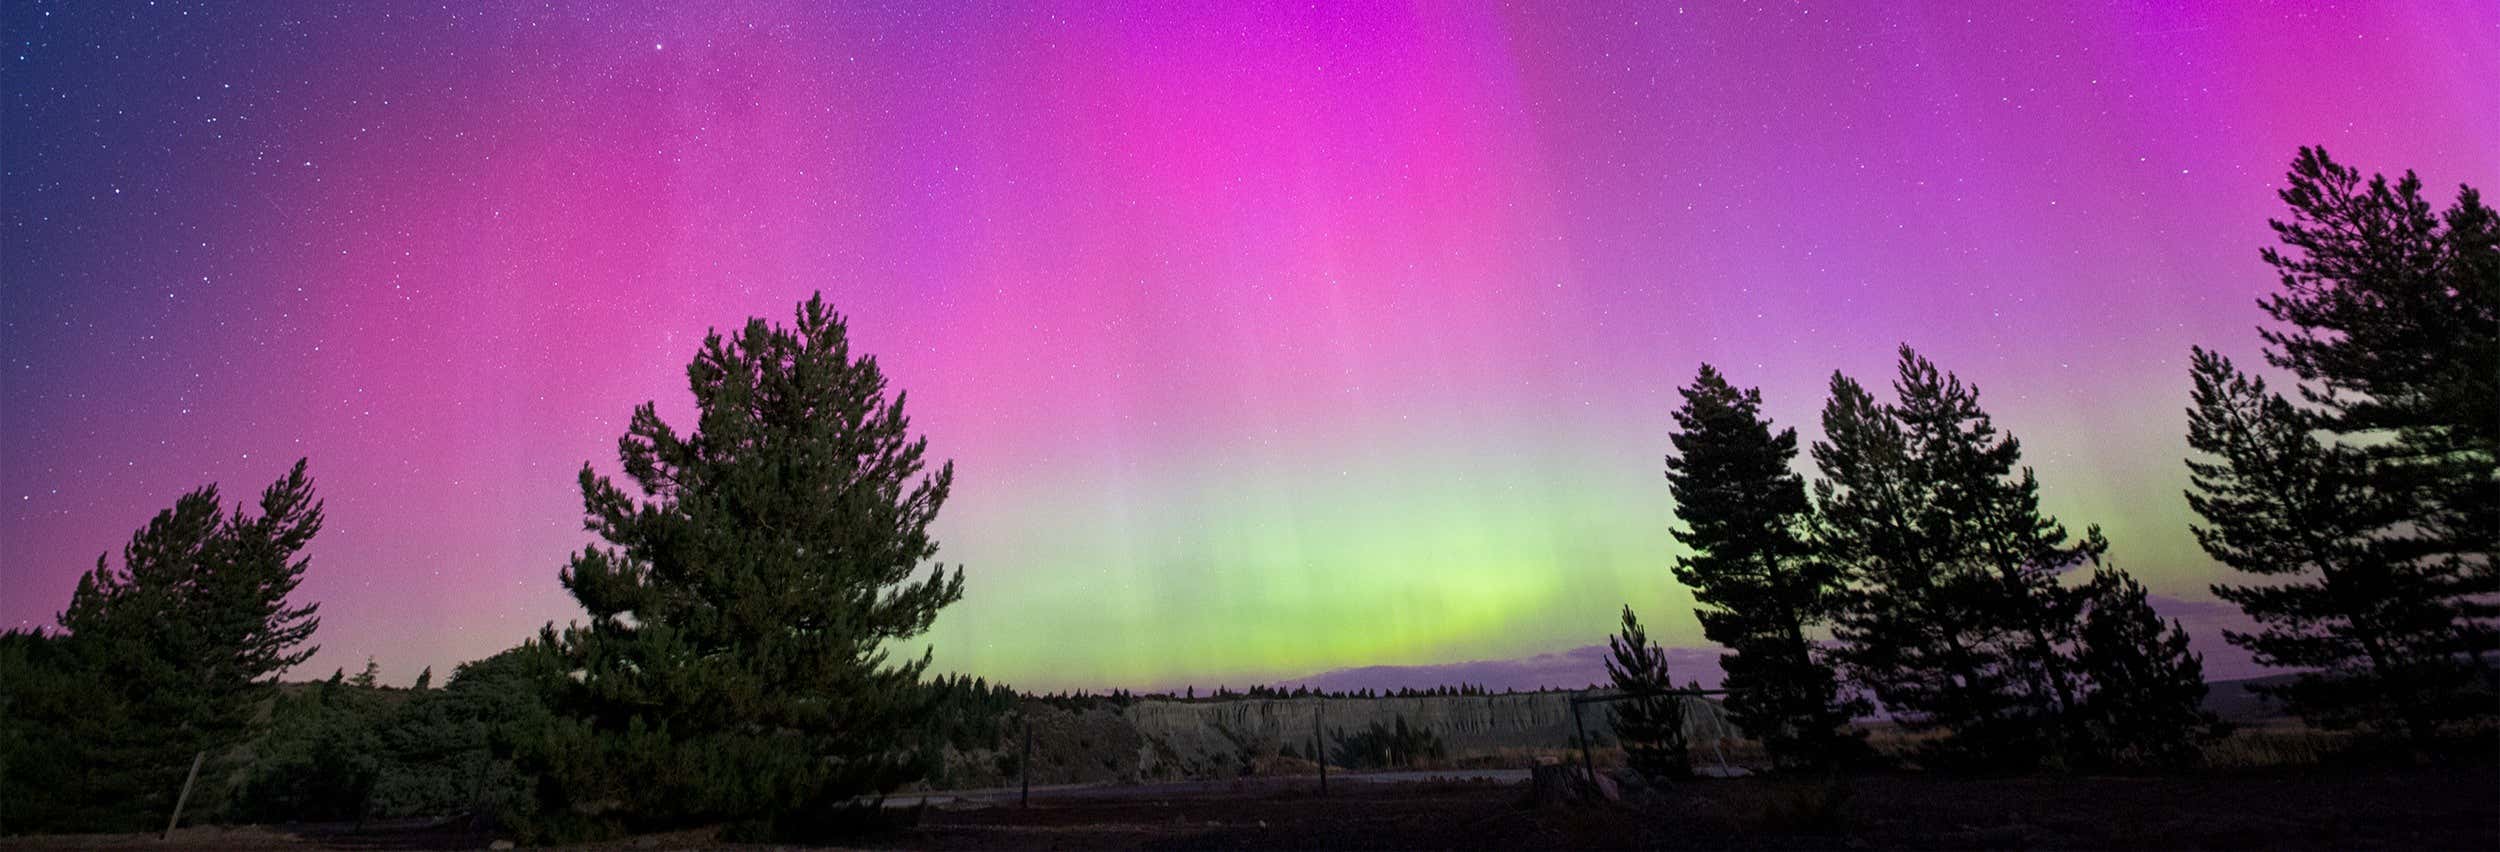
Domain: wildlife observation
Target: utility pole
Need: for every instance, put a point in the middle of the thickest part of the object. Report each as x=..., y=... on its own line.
x=1026, y=799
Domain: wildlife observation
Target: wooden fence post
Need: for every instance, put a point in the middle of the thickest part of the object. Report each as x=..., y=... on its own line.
x=1586, y=759
x=1319, y=741
x=185, y=798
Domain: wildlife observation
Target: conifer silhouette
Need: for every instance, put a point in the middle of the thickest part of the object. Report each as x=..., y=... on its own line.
x=1651, y=726
x=735, y=665
x=168, y=656
x=2144, y=697
x=1956, y=616
x=2375, y=497
x=1743, y=513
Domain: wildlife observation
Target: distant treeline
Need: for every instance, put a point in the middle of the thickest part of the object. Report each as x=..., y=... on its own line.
x=1226, y=693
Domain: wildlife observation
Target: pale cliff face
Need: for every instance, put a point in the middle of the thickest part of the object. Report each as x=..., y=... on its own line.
x=1465, y=724
x=1157, y=739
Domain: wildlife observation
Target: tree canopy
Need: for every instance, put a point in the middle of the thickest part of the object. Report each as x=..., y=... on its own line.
x=166, y=656
x=2373, y=503
x=736, y=666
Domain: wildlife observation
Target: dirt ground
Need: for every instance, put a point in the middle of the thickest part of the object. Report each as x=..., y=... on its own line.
x=2425, y=809
x=2411, y=809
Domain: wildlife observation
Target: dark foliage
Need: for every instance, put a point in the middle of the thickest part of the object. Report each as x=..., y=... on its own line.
x=966, y=712
x=2377, y=503
x=735, y=665
x=1651, y=727
x=340, y=750
x=320, y=759
x=2368, y=623
x=2143, y=705
x=1956, y=617
x=53, y=716
x=1392, y=746
x=167, y=657
x=2391, y=318
x=1743, y=512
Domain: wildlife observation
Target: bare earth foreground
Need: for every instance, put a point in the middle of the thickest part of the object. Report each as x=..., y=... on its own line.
x=2414, y=809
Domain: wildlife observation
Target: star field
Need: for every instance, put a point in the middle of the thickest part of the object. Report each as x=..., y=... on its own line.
x=1267, y=338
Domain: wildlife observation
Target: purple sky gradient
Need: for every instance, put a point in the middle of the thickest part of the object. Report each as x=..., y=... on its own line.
x=1268, y=339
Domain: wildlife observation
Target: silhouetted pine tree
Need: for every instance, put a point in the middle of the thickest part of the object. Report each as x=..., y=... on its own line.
x=1651, y=727
x=1956, y=616
x=2144, y=704
x=2381, y=494
x=2367, y=620
x=734, y=667
x=2391, y=320
x=170, y=653
x=1743, y=510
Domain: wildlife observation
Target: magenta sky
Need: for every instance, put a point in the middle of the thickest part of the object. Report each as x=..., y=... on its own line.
x=1267, y=341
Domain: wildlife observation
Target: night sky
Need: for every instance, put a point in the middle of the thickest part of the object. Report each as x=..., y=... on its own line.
x=1266, y=341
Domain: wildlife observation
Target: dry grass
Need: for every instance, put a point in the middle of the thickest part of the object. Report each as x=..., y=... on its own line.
x=2276, y=744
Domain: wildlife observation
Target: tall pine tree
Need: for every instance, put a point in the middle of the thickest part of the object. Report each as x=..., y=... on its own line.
x=735, y=666
x=1743, y=511
x=1956, y=616
x=2389, y=318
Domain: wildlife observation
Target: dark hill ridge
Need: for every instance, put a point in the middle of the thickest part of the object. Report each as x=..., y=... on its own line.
x=2236, y=700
